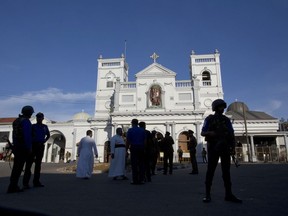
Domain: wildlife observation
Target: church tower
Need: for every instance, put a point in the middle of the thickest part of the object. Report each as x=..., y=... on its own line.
x=109, y=71
x=206, y=77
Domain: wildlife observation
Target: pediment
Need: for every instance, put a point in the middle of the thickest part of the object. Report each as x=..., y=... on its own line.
x=156, y=70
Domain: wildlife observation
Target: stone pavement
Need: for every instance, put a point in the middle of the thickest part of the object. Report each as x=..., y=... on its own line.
x=263, y=188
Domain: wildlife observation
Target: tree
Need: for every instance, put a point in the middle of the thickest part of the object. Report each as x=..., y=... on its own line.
x=283, y=124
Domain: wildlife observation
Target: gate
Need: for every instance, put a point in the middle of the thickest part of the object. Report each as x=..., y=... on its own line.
x=239, y=153
x=270, y=154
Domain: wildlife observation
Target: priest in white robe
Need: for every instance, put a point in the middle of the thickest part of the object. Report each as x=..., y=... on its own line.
x=86, y=151
x=118, y=156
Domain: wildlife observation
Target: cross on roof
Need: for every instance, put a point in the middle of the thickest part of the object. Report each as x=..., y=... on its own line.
x=154, y=56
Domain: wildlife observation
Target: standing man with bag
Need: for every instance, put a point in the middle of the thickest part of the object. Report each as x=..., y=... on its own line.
x=40, y=134
x=192, y=144
x=168, y=150
x=219, y=134
x=22, y=146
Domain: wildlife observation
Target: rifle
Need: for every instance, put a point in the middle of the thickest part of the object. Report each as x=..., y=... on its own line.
x=235, y=161
x=9, y=145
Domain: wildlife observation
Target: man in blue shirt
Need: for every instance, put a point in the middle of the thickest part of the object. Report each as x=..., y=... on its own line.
x=40, y=134
x=219, y=134
x=136, y=139
x=22, y=146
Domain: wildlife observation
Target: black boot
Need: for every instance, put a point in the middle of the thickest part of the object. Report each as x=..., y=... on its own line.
x=207, y=198
x=232, y=198
x=229, y=195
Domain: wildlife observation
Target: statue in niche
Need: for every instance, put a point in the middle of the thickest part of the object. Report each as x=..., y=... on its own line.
x=155, y=95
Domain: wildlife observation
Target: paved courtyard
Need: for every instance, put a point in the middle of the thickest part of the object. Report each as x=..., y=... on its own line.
x=263, y=188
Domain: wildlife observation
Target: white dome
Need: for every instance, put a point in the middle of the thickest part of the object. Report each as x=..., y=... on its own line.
x=81, y=116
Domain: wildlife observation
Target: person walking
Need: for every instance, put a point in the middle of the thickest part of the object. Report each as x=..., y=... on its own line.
x=87, y=147
x=136, y=141
x=22, y=146
x=219, y=134
x=40, y=134
x=180, y=154
x=167, y=143
x=204, y=155
x=118, y=156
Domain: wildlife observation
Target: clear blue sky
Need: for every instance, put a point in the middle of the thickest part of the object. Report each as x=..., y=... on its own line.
x=49, y=48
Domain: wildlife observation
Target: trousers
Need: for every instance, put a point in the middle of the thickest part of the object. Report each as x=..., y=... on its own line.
x=36, y=156
x=213, y=158
x=168, y=156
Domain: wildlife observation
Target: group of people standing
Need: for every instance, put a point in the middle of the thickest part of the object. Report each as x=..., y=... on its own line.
x=144, y=150
x=28, y=148
x=218, y=133
x=144, y=147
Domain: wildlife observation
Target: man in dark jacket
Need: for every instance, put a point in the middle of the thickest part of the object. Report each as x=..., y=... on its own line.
x=219, y=134
x=22, y=146
x=155, y=152
x=167, y=144
x=192, y=144
x=148, y=152
x=40, y=134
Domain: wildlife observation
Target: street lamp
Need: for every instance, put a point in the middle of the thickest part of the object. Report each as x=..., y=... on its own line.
x=246, y=134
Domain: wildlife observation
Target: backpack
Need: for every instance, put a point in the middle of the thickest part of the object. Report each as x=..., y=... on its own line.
x=218, y=124
x=18, y=134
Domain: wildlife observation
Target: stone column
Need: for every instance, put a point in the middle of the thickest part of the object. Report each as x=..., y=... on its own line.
x=167, y=127
x=74, y=150
x=95, y=134
x=95, y=129
x=198, y=132
x=49, y=152
x=116, y=95
x=173, y=134
x=115, y=125
x=253, y=156
x=147, y=98
x=45, y=158
x=286, y=145
x=195, y=89
x=57, y=157
x=162, y=98
x=173, y=130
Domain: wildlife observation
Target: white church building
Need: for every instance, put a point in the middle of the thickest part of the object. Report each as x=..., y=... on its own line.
x=165, y=104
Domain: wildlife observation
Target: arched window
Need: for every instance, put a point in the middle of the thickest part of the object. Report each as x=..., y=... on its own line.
x=206, y=78
x=109, y=79
x=109, y=84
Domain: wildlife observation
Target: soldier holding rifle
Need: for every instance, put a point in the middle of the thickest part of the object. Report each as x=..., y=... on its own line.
x=219, y=134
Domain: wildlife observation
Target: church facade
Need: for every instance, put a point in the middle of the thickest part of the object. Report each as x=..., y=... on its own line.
x=163, y=103
x=156, y=97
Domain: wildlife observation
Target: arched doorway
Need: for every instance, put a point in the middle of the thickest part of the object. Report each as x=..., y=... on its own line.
x=182, y=141
x=55, y=148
